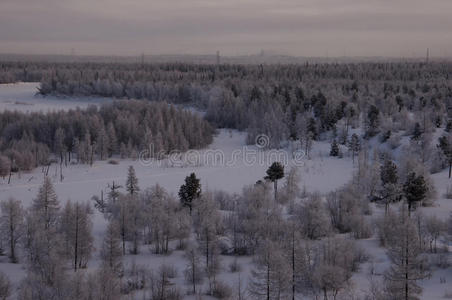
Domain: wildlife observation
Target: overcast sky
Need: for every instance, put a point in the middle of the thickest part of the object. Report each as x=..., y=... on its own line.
x=295, y=27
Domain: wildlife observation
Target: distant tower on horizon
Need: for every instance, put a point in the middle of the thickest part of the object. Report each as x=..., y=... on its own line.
x=218, y=57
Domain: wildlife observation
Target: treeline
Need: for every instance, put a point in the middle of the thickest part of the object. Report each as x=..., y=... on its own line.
x=301, y=102
x=28, y=140
x=12, y=72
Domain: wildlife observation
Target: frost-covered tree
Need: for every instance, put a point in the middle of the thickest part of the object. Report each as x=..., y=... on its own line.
x=270, y=277
x=434, y=229
x=354, y=145
x=43, y=246
x=5, y=166
x=407, y=264
x=335, y=260
x=104, y=284
x=110, y=251
x=76, y=227
x=11, y=225
x=445, y=144
x=291, y=187
x=5, y=287
x=193, y=271
x=46, y=204
x=59, y=145
x=313, y=217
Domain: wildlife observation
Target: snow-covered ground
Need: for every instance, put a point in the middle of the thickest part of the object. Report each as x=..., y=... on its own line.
x=231, y=168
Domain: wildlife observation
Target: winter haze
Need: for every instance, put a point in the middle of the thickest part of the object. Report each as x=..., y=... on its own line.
x=235, y=27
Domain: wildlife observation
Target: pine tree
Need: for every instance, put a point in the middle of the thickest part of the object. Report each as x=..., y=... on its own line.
x=190, y=191
x=132, y=182
x=372, y=121
x=407, y=264
x=44, y=252
x=274, y=173
x=415, y=190
x=334, y=149
x=46, y=204
x=113, y=194
x=110, y=252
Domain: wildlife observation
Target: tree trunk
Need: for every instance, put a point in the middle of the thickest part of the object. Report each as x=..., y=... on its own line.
x=207, y=249
x=76, y=240
x=276, y=189
x=268, y=282
x=11, y=240
x=406, y=260
x=193, y=275
x=293, y=264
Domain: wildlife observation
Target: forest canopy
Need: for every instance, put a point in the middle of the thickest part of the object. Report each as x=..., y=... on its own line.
x=120, y=128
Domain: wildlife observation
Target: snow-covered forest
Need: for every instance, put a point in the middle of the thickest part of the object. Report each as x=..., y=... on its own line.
x=88, y=212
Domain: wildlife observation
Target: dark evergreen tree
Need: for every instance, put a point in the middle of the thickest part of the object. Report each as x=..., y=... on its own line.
x=446, y=147
x=334, y=149
x=438, y=121
x=132, y=182
x=415, y=190
x=399, y=101
x=312, y=128
x=385, y=136
x=190, y=191
x=373, y=121
x=274, y=173
x=448, y=126
x=390, y=190
x=388, y=172
x=417, y=132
